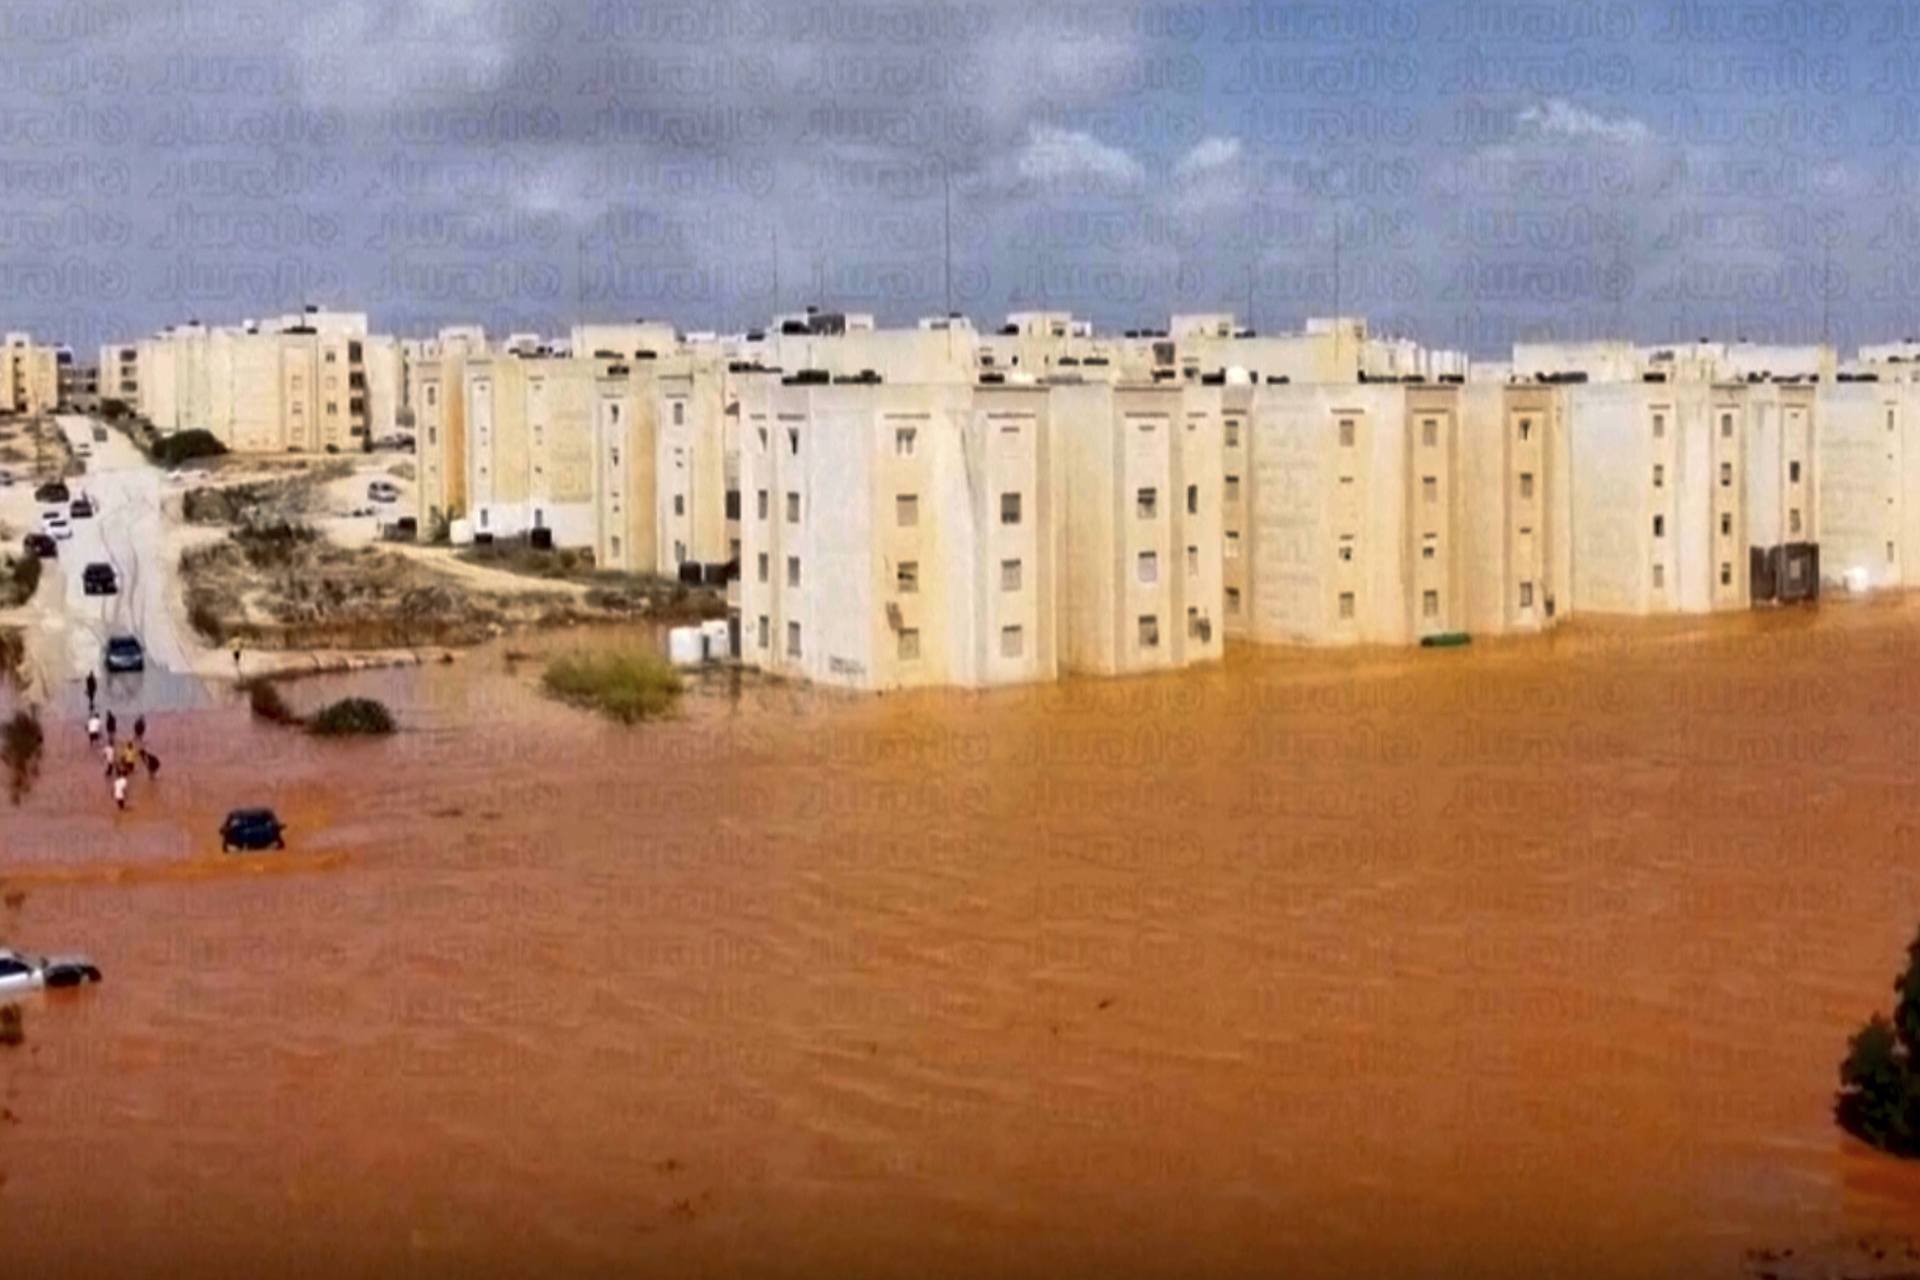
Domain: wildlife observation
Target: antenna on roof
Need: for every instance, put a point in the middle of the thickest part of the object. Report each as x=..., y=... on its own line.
x=946, y=184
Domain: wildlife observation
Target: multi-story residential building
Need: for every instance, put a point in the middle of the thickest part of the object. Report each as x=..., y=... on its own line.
x=1143, y=490
x=661, y=464
x=29, y=376
x=79, y=384
x=1867, y=480
x=436, y=392
x=530, y=452
x=307, y=382
x=120, y=374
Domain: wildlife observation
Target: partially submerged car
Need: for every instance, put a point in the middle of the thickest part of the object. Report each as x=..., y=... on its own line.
x=20, y=972
x=252, y=829
x=57, y=972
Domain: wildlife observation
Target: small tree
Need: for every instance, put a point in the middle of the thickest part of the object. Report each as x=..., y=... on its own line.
x=1879, y=1099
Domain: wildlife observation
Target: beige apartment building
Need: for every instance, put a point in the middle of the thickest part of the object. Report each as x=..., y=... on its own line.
x=305, y=383
x=661, y=463
x=1867, y=477
x=529, y=446
x=436, y=392
x=29, y=376
x=120, y=374
x=1386, y=513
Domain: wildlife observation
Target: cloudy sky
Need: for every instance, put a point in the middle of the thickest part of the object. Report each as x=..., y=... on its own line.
x=1465, y=172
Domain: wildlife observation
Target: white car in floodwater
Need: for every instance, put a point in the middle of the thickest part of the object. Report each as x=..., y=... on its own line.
x=22, y=973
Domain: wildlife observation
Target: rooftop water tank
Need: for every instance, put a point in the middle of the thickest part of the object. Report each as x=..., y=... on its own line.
x=686, y=647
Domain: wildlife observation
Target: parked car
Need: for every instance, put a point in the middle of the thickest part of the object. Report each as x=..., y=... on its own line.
x=54, y=524
x=57, y=972
x=252, y=829
x=82, y=509
x=99, y=434
x=383, y=491
x=52, y=491
x=98, y=579
x=6, y=479
x=18, y=973
x=39, y=544
x=125, y=653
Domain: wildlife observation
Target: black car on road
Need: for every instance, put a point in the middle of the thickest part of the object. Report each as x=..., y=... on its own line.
x=252, y=829
x=81, y=509
x=52, y=491
x=124, y=653
x=98, y=579
x=39, y=544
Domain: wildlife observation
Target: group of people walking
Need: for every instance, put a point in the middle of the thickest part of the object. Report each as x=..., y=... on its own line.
x=120, y=758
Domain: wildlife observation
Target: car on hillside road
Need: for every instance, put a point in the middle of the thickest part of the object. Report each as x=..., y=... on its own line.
x=252, y=829
x=98, y=579
x=52, y=491
x=39, y=544
x=383, y=491
x=125, y=653
x=55, y=525
x=82, y=508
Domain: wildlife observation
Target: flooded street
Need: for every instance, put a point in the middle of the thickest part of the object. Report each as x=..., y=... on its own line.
x=1529, y=959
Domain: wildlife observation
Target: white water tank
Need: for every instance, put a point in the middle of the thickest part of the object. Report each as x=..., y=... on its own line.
x=1856, y=580
x=460, y=532
x=685, y=647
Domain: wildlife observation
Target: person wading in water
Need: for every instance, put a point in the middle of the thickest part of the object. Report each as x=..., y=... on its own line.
x=93, y=687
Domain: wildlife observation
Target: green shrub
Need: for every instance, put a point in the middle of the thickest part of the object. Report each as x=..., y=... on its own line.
x=20, y=746
x=629, y=687
x=21, y=581
x=352, y=716
x=263, y=698
x=185, y=446
x=1879, y=1099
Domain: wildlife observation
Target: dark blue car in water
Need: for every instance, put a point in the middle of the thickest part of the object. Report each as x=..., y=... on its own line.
x=252, y=829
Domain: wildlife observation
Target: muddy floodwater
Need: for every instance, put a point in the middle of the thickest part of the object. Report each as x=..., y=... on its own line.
x=1525, y=959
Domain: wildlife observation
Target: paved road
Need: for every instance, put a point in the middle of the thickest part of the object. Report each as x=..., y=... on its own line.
x=70, y=628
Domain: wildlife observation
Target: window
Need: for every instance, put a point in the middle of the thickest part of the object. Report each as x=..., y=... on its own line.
x=1346, y=606
x=1346, y=548
x=907, y=577
x=1233, y=600
x=1233, y=433
x=1526, y=428
x=614, y=546
x=1659, y=526
x=1526, y=595
x=333, y=406
x=1726, y=426
x=1726, y=574
x=1659, y=426
x=1793, y=473
x=679, y=553
x=760, y=502
x=679, y=413
x=909, y=644
x=793, y=571
x=1009, y=508
x=1429, y=547
x=793, y=441
x=1149, y=567
x=1147, y=503
x=1009, y=575
x=793, y=507
x=1233, y=488
x=1726, y=525
x=731, y=503
x=766, y=632
x=1193, y=621
x=1429, y=489
x=1726, y=475
x=1013, y=642
x=763, y=439
x=679, y=504
x=1346, y=433
x=1231, y=549
x=904, y=439
x=1193, y=562
x=1430, y=604
x=433, y=437
x=1659, y=476
x=1526, y=484
x=1659, y=577
x=764, y=564
x=1793, y=520
x=1889, y=553
x=1149, y=631
x=906, y=510
x=1889, y=419
x=1193, y=501
x=793, y=639
x=1429, y=432
x=433, y=398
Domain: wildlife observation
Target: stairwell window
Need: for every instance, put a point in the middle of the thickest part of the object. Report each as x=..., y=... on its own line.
x=1230, y=549
x=1793, y=473
x=907, y=577
x=793, y=639
x=765, y=635
x=1793, y=520
x=1148, y=568
x=1233, y=433
x=793, y=507
x=1346, y=606
x=1193, y=562
x=793, y=571
x=1659, y=426
x=1526, y=484
x=1659, y=476
x=906, y=510
x=1346, y=433
x=1013, y=642
x=1429, y=432
x=1009, y=508
x=1149, y=631
x=764, y=565
x=1659, y=526
x=1526, y=595
x=1430, y=604
x=1233, y=601
x=1193, y=501
x=1429, y=489
x=679, y=413
x=1233, y=488
x=760, y=503
x=1726, y=574
x=1726, y=426
x=679, y=504
x=1009, y=575
x=1659, y=577
x=905, y=439
x=909, y=644
x=1726, y=475
x=1147, y=503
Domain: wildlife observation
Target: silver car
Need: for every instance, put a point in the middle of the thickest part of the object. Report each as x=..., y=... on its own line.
x=21, y=973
